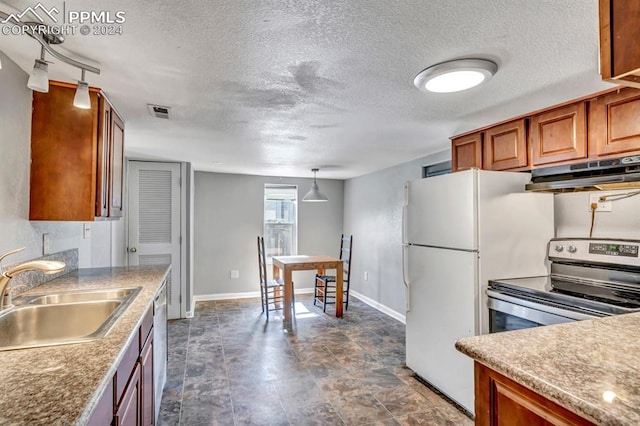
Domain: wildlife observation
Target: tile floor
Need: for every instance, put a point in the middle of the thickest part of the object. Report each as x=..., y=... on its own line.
x=229, y=366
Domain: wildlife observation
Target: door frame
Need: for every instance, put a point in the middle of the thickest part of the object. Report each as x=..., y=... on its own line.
x=186, y=231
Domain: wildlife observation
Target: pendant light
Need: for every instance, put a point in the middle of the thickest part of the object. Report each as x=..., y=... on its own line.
x=39, y=78
x=81, y=99
x=314, y=195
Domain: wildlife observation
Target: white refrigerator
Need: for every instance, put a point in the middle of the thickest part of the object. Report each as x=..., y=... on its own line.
x=459, y=231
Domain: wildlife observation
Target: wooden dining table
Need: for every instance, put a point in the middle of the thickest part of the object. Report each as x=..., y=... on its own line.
x=288, y=264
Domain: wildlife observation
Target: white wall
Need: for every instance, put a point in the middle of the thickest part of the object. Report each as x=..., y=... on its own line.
x=373, y=214
x=15, y=143
x=573, y=216
x=229, y=216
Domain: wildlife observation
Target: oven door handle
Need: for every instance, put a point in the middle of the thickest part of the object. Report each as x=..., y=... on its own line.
x=532, y=311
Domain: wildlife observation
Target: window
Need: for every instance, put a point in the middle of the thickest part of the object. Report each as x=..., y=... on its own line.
x=280, y=220
x=436, y=169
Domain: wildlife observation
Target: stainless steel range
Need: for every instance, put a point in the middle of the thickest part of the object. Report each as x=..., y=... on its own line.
x=590, y=278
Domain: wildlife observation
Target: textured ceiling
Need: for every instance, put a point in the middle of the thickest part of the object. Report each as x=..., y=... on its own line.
x=278, y=87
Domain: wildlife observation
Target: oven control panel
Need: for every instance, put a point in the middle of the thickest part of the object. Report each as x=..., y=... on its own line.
x=614, y=249
x=615, y=252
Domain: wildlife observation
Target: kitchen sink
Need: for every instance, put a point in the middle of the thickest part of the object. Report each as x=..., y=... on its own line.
x=63, y=318
x=83, y=296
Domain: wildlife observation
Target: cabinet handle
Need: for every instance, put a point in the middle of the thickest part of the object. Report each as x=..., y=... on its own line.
x=133, y=249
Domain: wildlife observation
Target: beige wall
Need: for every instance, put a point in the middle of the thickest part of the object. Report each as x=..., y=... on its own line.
x=15, y=228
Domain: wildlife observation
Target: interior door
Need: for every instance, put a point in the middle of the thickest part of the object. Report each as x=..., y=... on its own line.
x=154, y=222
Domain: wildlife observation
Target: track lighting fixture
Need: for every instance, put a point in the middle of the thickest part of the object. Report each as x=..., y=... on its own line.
x=314, y=194
x=81, y=99
x=39, y=78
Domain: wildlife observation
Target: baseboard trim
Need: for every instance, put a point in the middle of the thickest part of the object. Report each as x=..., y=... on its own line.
x=243, y=295
x=382, y=308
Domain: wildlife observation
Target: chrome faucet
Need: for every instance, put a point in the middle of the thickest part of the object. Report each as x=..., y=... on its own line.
x=44, y=266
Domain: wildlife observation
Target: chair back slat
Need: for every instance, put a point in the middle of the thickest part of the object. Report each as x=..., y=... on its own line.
x=346, y=245
x=262, y=262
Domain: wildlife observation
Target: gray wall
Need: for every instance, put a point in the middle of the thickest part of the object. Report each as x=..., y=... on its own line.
x=229, y=216
x=15, y=144
x=373, y=214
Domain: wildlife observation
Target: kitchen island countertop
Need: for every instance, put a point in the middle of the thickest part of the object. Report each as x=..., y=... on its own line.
x=61, y=384
x=578, y=365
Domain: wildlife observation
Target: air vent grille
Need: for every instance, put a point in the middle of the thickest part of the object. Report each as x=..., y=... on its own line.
x=159, y=111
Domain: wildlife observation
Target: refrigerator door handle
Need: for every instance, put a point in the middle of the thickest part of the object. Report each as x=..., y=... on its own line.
x=405, y=248
x=404, y=213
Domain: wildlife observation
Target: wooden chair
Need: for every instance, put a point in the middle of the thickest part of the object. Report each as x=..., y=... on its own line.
x=271, y=291
x=325, y=287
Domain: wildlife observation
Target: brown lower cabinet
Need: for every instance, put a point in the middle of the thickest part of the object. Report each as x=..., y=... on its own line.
x=500, y=401
x=129, y=398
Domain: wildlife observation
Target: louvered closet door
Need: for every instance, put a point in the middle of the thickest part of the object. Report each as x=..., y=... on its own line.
x=154, y=222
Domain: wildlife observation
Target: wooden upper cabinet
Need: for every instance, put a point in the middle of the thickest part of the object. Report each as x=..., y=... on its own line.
x=619, y=46
x=558, y=135
x=466, y=152
x=505, y=146
x=614, y=124
x=76, y=157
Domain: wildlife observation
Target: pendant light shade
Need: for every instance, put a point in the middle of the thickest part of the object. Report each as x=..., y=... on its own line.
x=39, y=78
x=314, y=194
x=81, y=99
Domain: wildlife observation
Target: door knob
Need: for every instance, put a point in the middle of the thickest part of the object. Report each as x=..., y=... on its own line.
x=133, y=249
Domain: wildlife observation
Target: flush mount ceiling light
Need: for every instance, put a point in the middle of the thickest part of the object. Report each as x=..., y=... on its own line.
x=39, y=78
x=454, y=76
x=314, y=194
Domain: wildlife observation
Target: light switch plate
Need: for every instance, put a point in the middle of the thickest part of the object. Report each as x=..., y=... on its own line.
x=234, y=274
x=86, y=231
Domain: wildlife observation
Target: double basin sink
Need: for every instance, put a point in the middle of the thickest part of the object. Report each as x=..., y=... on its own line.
x=63, y=318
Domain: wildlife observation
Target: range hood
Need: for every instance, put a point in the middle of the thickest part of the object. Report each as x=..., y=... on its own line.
x=616, y=173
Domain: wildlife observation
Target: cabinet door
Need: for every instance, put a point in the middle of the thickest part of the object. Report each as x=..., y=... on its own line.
x=128, y=412
x=148, y=388
x=102, y=173
x=116, y=166
x=63, y=144
x=505, y=146
x=466, y=152
x=559, y=135
x=614, y=124
x=503, y=402
x=619, y=47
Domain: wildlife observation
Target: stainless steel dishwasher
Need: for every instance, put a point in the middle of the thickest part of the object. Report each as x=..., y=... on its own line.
x=160, y=351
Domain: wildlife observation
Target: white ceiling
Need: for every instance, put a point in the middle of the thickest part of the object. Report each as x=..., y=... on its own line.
x=279, y=87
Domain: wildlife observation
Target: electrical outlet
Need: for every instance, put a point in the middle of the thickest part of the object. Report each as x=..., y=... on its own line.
x=366, y=276
x=603, y=206
x=234, y=274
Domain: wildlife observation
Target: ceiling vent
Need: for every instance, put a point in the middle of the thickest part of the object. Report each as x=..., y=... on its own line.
x=159, y=111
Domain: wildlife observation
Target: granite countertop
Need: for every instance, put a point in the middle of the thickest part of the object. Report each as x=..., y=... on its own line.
x=61, y=384
x=575, y=364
